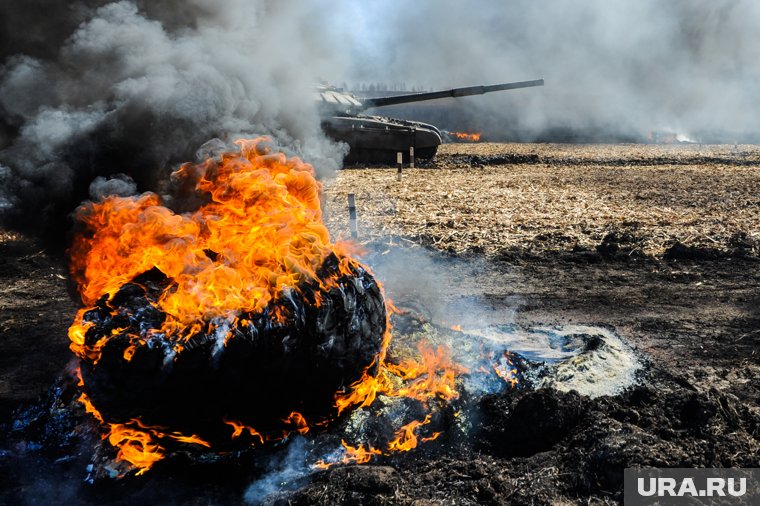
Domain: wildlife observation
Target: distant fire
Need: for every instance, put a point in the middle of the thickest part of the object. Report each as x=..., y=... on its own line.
x=190, y=317
x=667, y=137
x=467, y=137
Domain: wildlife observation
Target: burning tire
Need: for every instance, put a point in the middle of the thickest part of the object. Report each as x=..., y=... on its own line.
x=292, y=357
x=235, y=323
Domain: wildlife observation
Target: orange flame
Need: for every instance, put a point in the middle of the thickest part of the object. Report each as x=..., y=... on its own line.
x=77, y=333
x=362, y=393
x=138, y=443
x=258, y=232
x=474, y=137
x=262, y=223
x=296, y=419
x=433, y=376
x=89, y=408
x=195, y=440
x=406, y=439
x=238, y=429
x=137, y=447
x=353, y=455
x=129, y=352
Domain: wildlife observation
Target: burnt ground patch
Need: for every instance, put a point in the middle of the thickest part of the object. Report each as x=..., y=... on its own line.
x=696, y=321
x=659, y=243
x=696, y=404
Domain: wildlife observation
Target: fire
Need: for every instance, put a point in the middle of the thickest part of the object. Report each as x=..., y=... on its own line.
x=297, y=420
x=238, y=428
x=406, y=439
x=434, y=375
x=77, y=334
x=468, y=137
x=138, y=443
x=135, y=446
x=260, y=233
x=257, y=236
x=505, y=369
x=89, y=408
x=352, y=455
x=363, y=392
x=431, y=376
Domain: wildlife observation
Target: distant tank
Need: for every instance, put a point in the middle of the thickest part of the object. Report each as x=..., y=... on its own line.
x=379, y=138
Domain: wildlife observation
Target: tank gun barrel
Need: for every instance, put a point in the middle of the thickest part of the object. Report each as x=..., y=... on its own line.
x=454, y=92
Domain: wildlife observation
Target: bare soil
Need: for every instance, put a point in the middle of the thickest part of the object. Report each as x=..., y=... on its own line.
x=659, y=243
x=488, y=198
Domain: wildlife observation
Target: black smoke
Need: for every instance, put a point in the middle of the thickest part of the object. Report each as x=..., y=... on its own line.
x=91, y=90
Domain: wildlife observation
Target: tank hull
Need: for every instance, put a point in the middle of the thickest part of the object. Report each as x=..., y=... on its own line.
x=378, y=139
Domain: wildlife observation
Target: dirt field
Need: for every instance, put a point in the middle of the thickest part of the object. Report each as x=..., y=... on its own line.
x=494, y=198
x=659, y=243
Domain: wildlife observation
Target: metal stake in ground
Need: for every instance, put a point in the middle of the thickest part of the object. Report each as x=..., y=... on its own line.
x=352, y=216
x=411, y=148
x=400, y=162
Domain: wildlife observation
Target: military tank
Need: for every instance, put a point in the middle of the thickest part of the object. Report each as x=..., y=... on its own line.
x=378, y=139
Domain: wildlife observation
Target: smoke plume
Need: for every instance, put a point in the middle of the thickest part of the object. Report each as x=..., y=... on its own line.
x=96, y=89
x=613, y=69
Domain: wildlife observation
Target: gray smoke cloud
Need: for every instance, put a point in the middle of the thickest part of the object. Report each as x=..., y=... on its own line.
x=119, y=185
x=94, y=88
x=623, y=67
x=135, y=87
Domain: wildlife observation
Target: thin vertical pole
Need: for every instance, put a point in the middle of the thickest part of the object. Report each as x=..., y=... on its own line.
x=411, y=148
x=352, y=216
